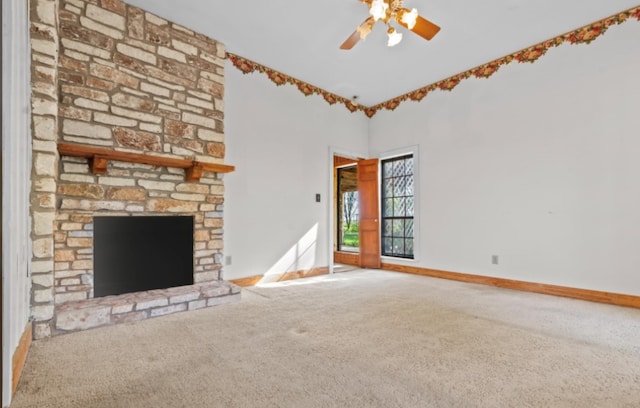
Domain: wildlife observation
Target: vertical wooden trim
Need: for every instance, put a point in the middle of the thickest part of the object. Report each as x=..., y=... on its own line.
x=336, y=211
x=1, y=220
x=369, y=213
x=20, y=356
x=2, y=45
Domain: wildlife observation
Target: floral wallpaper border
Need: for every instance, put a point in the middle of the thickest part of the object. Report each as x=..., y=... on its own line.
x=278, y=78
x=583, y=35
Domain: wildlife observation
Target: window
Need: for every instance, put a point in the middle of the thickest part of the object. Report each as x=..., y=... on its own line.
x=398, y=207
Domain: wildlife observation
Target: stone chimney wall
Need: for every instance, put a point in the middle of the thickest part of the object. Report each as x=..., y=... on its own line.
x=110, y=75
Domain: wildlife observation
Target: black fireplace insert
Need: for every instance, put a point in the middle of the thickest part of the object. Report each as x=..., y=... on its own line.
x=138, y=253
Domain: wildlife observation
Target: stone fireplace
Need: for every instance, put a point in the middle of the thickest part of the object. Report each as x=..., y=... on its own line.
x=128, y=117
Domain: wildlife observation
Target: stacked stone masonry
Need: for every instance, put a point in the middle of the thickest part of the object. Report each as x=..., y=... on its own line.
x=44, y=129
x=140, y=306
x=108, y=74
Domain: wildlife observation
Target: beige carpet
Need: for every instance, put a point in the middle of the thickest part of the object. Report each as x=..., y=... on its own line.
x=356, y=339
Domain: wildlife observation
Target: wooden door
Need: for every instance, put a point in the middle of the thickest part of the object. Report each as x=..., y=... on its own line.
x=369, y=222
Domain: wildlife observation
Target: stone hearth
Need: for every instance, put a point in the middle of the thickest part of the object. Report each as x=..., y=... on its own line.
x=132, y=307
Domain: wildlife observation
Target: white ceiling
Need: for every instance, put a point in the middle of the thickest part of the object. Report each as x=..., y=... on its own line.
x=301, y=38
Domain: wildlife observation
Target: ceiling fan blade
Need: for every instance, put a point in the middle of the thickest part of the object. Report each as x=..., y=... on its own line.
x=355, y=37
x=424, y=28
x=351, y=41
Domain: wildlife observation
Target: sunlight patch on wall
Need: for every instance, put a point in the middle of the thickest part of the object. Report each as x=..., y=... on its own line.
x=301, y=256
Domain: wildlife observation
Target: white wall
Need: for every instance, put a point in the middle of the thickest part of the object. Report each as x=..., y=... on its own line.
x=16, y=167
x=539, y=164
x=279, y=141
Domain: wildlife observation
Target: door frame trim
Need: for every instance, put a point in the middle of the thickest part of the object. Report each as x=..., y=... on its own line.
x=334, y=151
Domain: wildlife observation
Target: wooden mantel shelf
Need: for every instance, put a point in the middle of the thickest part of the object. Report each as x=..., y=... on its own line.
x=99, y=158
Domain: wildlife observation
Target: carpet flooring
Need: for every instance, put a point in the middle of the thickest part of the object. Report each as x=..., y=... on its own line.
x=355, y=339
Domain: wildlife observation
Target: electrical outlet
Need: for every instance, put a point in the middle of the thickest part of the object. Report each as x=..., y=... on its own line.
x=317, y=198
x=227, y=260
x=494, y=259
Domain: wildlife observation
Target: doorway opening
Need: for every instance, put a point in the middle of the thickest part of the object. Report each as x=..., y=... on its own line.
x=355, y=212
x=345, y=222
x=348, y=239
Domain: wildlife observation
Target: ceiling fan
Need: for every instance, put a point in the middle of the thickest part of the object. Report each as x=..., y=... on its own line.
x=388, y=11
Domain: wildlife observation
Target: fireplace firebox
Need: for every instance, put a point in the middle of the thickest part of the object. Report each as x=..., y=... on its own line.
x=140, y=253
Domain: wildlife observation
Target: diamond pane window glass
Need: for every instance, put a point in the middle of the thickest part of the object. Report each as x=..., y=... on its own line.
x=408, y=246
x=409, y=167
x=398, y=228
x=408, y=228
x=388, y=185
x=388, y=207
x=398, y=246
x=387, y=168
x=387, y=245
x=399, y=186
x=397, y=207
x=410, y=185
x=398, y=168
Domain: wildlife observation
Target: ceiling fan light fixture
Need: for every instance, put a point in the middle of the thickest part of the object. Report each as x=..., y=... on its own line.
x=410, y=18
x=378, y=9
x=392, y=14
x=394, y=37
